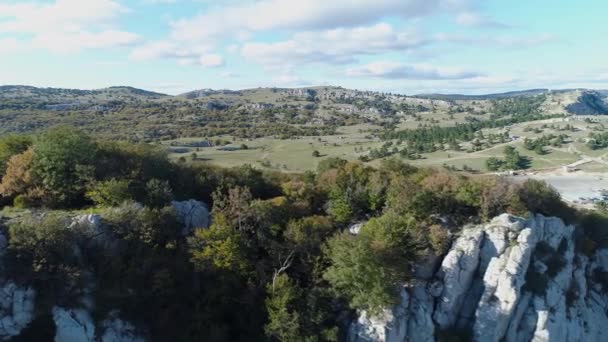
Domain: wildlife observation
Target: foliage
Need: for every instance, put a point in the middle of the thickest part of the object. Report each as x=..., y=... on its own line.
x=110, y=193
x=369, y=268
x=219, y=247
x=42, y=249
x=10, y=145
x=283, y=321
x=63, y=163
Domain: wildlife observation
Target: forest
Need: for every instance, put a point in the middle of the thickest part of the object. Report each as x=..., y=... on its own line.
x=279, y=261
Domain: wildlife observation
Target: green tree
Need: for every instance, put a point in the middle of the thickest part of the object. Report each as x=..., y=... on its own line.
x=283, y=320
x=513, y=160
x=110, y=193
x=63, y=164
x=220, y=247
x=368, y=269
x=493, y=164
x=158, y=193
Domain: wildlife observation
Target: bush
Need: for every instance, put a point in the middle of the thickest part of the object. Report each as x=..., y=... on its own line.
x=43, y=249
x=158, y=193
x=21, y=202
x=110, y=193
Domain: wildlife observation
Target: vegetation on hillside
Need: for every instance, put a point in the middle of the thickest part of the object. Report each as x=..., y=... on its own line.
x=277, y=263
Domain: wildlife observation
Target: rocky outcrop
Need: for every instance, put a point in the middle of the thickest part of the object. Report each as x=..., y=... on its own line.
x=115, y=329
x=16, y=309
x=192, y=214
x=73, y=325
x=509, y=280
x=78, y=325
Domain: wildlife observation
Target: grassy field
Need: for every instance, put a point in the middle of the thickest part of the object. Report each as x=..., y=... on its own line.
x=352, y=142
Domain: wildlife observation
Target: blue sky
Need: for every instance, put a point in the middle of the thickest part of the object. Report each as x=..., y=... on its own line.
x=405, y=46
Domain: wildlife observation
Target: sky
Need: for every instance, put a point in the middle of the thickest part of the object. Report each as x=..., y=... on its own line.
x=399, y=46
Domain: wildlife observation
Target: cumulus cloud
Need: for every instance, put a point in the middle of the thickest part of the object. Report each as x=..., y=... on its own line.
x=73, y=24
x=396, y=70
x=195, y=55
x=337, y=46
x=298, y=15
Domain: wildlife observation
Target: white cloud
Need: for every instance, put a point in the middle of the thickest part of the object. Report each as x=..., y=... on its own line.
x=396, y=70
x=66, y=25
x=211, y=61
x=337, y=46
x=298, y=15
x=475, y=19
x=507, y=41
x=195, y=55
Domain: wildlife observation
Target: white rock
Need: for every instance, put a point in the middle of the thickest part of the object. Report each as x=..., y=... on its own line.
x=73, y=325
x=192, y=215
x=458, y=268
x=389, y=326
x=116, y=330
x=354, y=229
x=480, y=285
x=16, y=309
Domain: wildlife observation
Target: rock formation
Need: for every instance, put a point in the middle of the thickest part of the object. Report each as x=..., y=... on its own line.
x=192, y=214
x=510, y=280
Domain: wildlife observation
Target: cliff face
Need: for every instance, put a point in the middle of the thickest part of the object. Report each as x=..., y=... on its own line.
x=18, y=303
x=509, y=280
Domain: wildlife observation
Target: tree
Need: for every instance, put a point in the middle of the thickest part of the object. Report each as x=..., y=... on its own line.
x=220, y=247
x=513, y=159
x=63, y=164
x=316, y=154
x=110, y=193
x=283, y=320
x=158, y=193
x=368, y=269
x=43, y=249
x=18, y=178
x=493, y=164
x=11, y=145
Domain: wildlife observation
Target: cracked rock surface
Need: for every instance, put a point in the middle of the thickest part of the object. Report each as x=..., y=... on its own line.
x=512, y=280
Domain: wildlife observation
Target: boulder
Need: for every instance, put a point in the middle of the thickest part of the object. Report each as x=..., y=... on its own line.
x=192, y=215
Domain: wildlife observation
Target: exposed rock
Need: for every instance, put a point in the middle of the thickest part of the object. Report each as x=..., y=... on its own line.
x=457, y=270
x=390, y=325
x=509, y=280
x=73, y=325
x=16, y=309
x=192, y=214
x=354, y=229
x=116, y=330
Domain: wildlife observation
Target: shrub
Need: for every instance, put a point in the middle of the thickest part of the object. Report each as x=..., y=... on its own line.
x=110, y=193
x=43, y=249
x=158, y=193
x=21, y=202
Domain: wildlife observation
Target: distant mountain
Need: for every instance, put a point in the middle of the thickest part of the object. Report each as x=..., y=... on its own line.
x=461, y=97
x=58, y=94
x=195, y=94
x=590, y=103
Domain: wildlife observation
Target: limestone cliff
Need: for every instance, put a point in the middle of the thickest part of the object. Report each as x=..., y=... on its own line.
x=511, y=280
